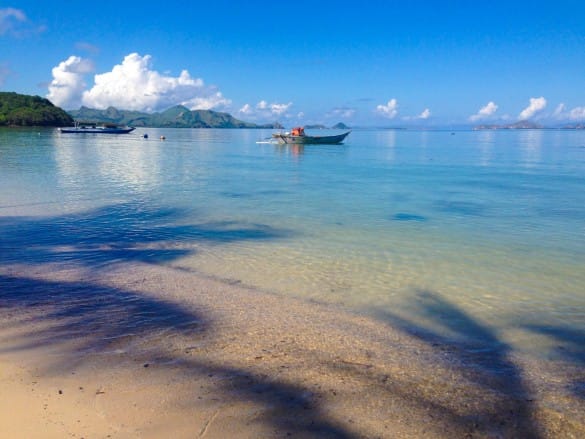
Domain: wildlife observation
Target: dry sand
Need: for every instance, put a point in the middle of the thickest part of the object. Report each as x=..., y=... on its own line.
x=138, y=350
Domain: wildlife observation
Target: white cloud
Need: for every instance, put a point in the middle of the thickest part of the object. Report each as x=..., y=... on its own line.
x=279, y=109
x=132, y=85
x=426, y=113
x=67, y=87
x=264, y=110
x=10, y=19
x=389, y=110
x=577, y=113
x=536, y=105
x=559, y=111
x=246, y=109
x=484, y=112
x=14, y=22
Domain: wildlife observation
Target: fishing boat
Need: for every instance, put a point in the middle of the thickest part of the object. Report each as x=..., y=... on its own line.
x=297, y=136
x=88, y=127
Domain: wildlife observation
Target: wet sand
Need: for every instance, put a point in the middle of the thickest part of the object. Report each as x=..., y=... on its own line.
x=139, y=350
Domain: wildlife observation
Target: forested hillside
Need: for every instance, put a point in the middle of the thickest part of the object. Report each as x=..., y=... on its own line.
x=24, y=110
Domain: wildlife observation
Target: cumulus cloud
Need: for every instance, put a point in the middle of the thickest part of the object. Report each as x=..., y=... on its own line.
x=68, y=84
x=14, y=22
x=246, y=109
x=575, y=114
x=274, y=108
x=484, y=112
x=536, y=105
x=390, y=110
x=265, y=110
x=132, y=85
x=426, y=113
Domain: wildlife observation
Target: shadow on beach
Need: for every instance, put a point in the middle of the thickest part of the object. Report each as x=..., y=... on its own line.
x=571, y=348
x=93, y=318
x=88, y=318
x=475, y=354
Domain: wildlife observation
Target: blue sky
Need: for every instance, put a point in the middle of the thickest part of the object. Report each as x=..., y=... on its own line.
x=380, y=63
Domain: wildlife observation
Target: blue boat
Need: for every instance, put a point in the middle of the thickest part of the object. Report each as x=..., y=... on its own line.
x=88, y=127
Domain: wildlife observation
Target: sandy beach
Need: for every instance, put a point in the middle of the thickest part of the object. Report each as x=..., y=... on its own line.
x=138, y=350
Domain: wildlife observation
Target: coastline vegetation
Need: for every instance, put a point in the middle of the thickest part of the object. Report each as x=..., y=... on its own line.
x=24, y=110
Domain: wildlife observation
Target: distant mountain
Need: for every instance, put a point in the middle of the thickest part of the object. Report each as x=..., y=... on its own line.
x=340, y=126
x=25, y=110
x=174, y=117
x=521, y=125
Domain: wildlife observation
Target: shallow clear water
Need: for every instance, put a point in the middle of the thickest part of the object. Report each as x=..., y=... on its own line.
x=444, y=232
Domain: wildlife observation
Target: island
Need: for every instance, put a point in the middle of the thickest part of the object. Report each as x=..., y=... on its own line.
x=25, y=110
x=340, y=126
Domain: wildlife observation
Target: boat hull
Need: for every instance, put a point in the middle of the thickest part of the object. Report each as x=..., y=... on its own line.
x=95, y=130
x=304, y=140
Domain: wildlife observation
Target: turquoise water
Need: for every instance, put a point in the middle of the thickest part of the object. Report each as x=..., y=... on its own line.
x=436, y=230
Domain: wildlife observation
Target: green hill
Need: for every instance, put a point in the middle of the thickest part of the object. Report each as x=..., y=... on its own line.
x=174, y=117
x=24, y=110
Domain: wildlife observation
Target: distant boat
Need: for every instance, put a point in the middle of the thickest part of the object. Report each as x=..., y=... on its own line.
x=88, y=127
x=298, y=136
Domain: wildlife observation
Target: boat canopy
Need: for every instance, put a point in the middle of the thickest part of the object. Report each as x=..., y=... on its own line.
x=297, y=131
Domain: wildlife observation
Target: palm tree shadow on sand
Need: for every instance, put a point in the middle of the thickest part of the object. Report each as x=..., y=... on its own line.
x=571, y=348
x=88, y=318
x=477, y=355
x=91, y=319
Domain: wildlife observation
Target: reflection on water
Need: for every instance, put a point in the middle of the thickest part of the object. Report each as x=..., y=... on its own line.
x=131, y=164
x=530, y=142
x=486, y=140
x=491, y=221
x=387, y=139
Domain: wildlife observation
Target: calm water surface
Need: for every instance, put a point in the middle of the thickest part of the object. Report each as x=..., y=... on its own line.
x=457, y=234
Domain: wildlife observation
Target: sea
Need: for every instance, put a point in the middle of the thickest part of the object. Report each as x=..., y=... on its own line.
x=463, y=235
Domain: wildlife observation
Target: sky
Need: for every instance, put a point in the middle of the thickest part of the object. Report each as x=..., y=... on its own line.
x=369, y=63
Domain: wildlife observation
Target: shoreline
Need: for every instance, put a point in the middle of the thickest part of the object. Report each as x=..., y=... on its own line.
x=138, y=350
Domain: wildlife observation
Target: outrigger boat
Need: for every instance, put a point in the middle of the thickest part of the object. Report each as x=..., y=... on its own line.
x=88, y=127
x=298, y=136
